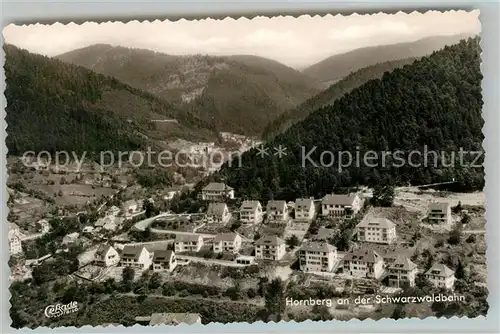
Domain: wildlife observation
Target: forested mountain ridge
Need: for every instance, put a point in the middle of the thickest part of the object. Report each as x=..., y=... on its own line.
x=329, y=95
x=52, y=105
x=336, y=67
x=238, y=94
x=435, y=102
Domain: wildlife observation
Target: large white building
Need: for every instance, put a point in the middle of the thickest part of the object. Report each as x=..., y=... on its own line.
x=377, y=230
x=277, y=211
x=218, y=213
x=217, y=192
x=441, y=276
x=270, y=248
x=106, y=256
x=317, y=256
x=364, y=263
x=136, y=256
x=14, y=236
x=439, y=213
x=402, y=272
x=227, y=242
x=164, y=260
x=304, y=209
x=43, y=226
x=341, y=206
x=188, y=243
x=251, y=212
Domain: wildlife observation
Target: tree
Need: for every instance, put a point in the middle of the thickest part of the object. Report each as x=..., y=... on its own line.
x=275, y=298
x=155, y=281
x=128, y=274
x=383, y=195
x=321, y=313
x=293, y=241
x=455, y=235
x=399, y=312
x=465, y=219
x=460, y=271
x=457, y=208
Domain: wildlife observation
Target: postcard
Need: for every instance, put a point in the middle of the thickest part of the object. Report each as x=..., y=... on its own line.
x=246, y=169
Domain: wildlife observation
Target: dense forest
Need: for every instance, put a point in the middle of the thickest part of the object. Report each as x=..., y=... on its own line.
x=435, y=102
x=53, y=106
x=329, y=95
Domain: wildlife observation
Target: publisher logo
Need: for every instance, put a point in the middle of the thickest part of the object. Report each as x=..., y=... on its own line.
x=55, y=311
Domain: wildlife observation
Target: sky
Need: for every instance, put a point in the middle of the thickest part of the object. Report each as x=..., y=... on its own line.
x=296, y=42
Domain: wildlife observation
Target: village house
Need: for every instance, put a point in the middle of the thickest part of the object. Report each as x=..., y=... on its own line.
x=341, y=206
x=130, y=207
x=377, y=230
x=304, y=209
x=439, y=213
x=170, y=319
x=363, y=263
x=277, y=211
x=70, y=238
x=270, y=248
x=106, y=256
x=251, y=212
x=317, y=256
x=227, y=242
x=245, y=260
x=43, y=226
x=113, y=211
x=217, y=192
x=188, y=243
x=218, y=213
x=402, y=272
x=136, y=256
x=14, y=236
x=164, y=260
x=441, y=276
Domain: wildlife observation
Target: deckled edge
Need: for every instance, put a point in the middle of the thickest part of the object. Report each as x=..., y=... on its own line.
x=242, y=18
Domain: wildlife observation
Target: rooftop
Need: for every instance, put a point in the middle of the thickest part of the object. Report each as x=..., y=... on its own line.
x=339, y=199
x=439, y=269
x=314, y=246
x=443, y=206
x=163, y=256
x=216, y=209
x=270, y=240
x=217, y=186
x=225, y=237
x=304, y=204
x=187, y=237
x=403, y=262
x=276, y=205
x=249, y=205
x=377, y=222
x=364, y=255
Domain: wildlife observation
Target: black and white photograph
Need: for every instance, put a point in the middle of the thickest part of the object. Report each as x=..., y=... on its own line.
x=274, y=168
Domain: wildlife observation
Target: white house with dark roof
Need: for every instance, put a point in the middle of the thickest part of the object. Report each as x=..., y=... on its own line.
x=304, y=209
x=251, y=212
x=277, y=211
x=218, y=213
x=441, y=276
x=364, y=263
x=317, y=256
x=164, y=260
x=14, y=236
x=188, y=243
x=270, y=248
x=227, y=242
x=341, y=206
x=43, y=226
x=130, y=207
x=401, y=272
x=217, y=192
x=376, y=230
x=136, y=256
x=106, y=256
x=439, y=213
